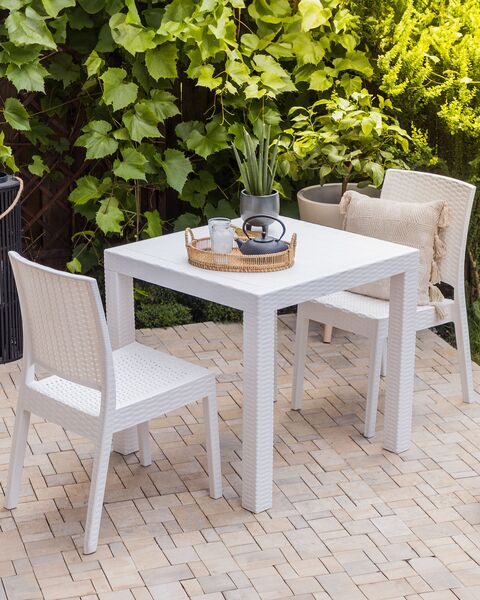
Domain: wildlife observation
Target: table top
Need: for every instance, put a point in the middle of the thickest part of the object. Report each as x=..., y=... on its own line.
x=337, y=258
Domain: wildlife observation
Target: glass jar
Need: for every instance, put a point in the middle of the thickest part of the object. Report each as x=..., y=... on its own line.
x=222, y=236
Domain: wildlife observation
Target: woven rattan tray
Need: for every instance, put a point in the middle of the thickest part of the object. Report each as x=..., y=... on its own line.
x=201, y=255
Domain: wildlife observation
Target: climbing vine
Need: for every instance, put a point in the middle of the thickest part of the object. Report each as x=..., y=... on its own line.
x=155, y=91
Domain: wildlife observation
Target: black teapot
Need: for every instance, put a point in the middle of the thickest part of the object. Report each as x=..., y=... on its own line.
x=265, y=244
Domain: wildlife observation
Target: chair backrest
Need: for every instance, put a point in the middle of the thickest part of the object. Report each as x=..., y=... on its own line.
x=414, y=186
x=65, y=330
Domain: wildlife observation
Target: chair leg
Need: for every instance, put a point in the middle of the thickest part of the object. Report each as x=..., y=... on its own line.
x=144, y=442
x=383, y=371
x=213, y=445
x=97, y=492
x=463, y=349
x=301, y=341
x=327, y=333
x=376, y=354
x=17, y=457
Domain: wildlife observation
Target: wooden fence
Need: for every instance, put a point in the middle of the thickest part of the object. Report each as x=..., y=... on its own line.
x=48, y=221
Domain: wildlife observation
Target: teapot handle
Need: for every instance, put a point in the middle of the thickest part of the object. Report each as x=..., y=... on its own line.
x=263, y=216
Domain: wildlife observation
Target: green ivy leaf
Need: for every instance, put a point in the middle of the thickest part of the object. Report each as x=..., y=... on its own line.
x=109, y=217
x=163, y=105
x=6, y=155
x=13, y=4
x=39, y=132
x=314, y=14
x=162, y=61
x=132, y=166
x=204, y=74
x=273, y=11
x=19, y=55
x=154, y=224
x=306, y=49
x=87, y=188
x=223, y=209
x=320, y=81
x=16, y=115
x=93, y=63
x=237, y=71
x=29, y=77
x=53, y=7
x=92, y=6
x=74, y=265
x=195, y=191
x=355, y=61
x=205, y=144
x=25, y=28
x=273, y=75
x=351, y=84
x=132, y=15
x=96, y=140
x=62, y=68
x=105, y=40
x=115, y=92
x=58, y=28
x=186, y=128
x=131, y=37
x=37, y=166
x=142, y=122
x=177, y=168
x=186, y=220
x=80, y=20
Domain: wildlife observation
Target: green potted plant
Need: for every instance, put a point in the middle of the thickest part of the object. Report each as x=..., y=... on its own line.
x=257, y=172
x=351, y=141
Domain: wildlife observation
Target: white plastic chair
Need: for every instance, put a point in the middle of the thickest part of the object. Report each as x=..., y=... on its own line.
x=91, y=390
x=369, y=316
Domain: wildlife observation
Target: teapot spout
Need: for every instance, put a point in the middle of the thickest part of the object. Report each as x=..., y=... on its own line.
x=239, y=243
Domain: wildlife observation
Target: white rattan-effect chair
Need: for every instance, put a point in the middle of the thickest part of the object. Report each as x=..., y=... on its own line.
x=91, y=390
x=369, y=316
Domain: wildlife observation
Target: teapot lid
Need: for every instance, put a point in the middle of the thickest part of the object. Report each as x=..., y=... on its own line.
x=264, y=239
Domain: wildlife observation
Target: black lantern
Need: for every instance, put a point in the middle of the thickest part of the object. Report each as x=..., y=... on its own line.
x=10, y=239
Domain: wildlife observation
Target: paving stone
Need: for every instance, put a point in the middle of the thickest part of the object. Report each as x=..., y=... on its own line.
x=434, y=573
x=349, y=521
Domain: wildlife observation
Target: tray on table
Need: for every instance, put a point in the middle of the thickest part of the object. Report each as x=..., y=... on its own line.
x=201, y=255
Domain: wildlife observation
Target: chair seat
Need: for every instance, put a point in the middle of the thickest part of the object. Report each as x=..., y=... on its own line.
x=141, y=373
x=371, y=308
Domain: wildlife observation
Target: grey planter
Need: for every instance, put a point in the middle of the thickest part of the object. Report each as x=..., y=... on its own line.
x=259, y=205
x=319, y=203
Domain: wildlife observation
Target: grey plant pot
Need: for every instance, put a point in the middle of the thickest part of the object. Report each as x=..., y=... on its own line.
x=259, y=205
x=319, y=203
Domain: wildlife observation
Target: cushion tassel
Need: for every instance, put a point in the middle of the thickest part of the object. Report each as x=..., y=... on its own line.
x=435, y=276
x=439, y=246
x=436, y=300
x=443, y=218
x=343, y=206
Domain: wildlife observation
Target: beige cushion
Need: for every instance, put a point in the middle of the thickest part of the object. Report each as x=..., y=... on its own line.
x=415, y=224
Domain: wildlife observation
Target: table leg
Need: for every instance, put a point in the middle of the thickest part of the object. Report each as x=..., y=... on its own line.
x=120, y=308
x=121, y=327
x=275, y=362
x=258, y=390
x=401, y=362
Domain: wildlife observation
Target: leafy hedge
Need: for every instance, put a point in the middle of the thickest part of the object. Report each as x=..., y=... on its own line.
x=428, y=64
x=159, y=89
x=151, y=94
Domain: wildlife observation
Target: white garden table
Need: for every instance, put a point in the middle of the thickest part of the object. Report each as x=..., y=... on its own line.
x=327, y=261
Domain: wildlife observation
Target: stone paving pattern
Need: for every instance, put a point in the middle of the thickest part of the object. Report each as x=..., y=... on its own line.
x=350, y=521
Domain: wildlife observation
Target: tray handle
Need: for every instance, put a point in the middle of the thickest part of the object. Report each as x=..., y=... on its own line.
x=189, y=237
x=293, y=243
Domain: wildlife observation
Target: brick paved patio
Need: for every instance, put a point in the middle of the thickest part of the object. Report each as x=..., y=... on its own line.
x=350, y=521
